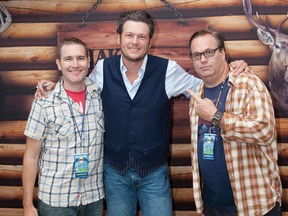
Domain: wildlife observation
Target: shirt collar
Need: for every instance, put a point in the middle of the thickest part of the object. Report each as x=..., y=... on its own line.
x=60, y=91
x=142, y=69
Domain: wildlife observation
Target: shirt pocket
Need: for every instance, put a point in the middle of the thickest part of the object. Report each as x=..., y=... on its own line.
x=62, y=127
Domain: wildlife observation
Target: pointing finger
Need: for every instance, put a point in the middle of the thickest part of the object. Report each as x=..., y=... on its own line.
x=194, y=96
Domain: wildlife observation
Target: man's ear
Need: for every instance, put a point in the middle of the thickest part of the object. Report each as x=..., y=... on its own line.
x=223, y=52
x=119, y=39
x=58, y=64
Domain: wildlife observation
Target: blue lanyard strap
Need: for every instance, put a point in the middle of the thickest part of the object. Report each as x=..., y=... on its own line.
x=80, y=133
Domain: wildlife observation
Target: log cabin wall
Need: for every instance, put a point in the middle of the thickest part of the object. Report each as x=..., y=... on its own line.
x=28, y=52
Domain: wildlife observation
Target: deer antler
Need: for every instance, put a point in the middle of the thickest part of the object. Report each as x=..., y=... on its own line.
x=5, y=18
x=262, y=25
x=281, y=23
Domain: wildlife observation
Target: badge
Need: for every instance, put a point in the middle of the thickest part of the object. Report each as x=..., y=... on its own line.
x=81, y=165
x=208, y=146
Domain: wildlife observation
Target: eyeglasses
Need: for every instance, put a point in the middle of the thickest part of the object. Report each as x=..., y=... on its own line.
x=208, y=54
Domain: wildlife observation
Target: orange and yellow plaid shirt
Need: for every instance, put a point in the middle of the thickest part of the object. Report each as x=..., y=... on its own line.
x=250, y=146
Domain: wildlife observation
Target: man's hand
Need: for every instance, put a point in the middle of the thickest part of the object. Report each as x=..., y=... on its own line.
x=31, y=211
x=205, y=108
x=42, y=87
x=240, y=66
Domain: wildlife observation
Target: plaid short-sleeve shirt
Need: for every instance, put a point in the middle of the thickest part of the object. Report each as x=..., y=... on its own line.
x=63, y=136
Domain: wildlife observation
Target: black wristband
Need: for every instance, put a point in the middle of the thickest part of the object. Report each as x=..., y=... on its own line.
x=217, y=118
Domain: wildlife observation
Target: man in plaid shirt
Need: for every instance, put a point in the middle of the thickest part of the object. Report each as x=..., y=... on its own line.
x=233, y=136
x=65, y=134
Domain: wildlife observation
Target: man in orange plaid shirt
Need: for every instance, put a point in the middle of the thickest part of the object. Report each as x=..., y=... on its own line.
x=233, y=136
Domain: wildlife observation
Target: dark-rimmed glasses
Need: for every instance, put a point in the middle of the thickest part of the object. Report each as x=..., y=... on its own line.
x=208, y=54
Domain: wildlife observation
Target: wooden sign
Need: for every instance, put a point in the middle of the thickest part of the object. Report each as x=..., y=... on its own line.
x=170, y=39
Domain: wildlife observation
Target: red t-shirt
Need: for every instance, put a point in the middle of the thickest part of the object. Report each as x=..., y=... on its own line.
x=78, y=97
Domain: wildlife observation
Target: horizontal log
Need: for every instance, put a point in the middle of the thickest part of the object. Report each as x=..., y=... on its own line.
x=179, y=151
x=16, y=104
x=111, y=7
x=103, y=35
x=35, y=34
x=180, y=176
x=21, y=82
x=21, y=31
x=16, y=107
x=10, y=171
x=39, y=54
x=19, y=106
x=34, y=54
x=12, y=131
x=12, y=154
x=232, y=28
x=43, y=58
x=238, y=25
x=11, y=211
x=10, y=175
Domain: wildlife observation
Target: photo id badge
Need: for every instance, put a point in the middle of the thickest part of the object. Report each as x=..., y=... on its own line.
x=208, y=146
x=81, y=165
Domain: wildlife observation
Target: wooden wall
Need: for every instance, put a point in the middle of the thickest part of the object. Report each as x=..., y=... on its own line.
x=28, y=52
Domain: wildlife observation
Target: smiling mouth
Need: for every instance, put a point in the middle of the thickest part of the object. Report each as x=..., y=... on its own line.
x=134, y=48
x=76, y=72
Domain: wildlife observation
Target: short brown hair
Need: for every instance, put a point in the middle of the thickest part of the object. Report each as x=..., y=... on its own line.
x=71, y=40
x=219, y=38
x=137, y=16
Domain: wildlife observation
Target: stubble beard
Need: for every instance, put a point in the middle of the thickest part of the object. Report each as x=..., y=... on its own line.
x=137, y=59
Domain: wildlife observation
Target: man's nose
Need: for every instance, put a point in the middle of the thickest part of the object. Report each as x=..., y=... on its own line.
x=202, y=57
x=135, y=39
x=75, y=63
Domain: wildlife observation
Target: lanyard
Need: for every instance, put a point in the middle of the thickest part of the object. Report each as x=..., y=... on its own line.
x=221, y=90
x=80, y=133
x=215, y=128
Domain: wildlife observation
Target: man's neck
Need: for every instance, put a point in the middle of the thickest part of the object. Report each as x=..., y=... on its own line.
x=74, y=87
x=132, y=69
x=221, y=78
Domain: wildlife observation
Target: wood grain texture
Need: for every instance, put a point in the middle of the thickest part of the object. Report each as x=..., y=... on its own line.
x=20, y=82
x=33, y=34
x=28, y=52
x=12, y=131
x=115, y=7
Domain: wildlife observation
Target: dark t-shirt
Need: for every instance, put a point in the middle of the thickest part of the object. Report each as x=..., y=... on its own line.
x=216, y=191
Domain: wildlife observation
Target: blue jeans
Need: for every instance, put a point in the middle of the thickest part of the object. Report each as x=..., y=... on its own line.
x=92, y=209
x=123, y=192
